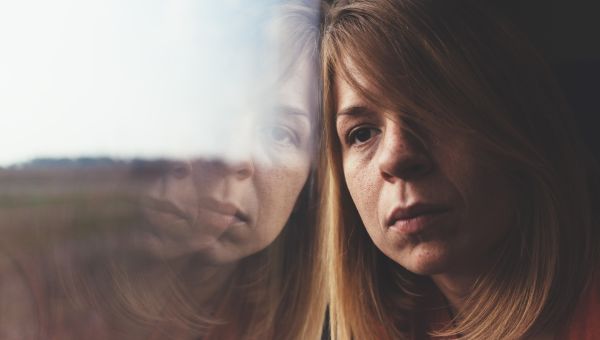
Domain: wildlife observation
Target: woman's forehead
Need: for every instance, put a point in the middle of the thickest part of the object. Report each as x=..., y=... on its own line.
x=354, y=85
x=299, y=88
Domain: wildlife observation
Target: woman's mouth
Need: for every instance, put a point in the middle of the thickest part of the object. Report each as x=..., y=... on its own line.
x=166, y=207
x=219, y=215
x=415, y=218
x=211, y=213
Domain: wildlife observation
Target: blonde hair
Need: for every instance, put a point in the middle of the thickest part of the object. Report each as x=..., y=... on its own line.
x=460, y=66
x=273, y=294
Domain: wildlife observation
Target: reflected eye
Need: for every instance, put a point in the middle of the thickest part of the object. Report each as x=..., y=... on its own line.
x=361, y=135
x=280, y=134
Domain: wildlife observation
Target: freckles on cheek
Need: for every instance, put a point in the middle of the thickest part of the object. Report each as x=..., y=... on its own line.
x=282, y=185
x=360, y=184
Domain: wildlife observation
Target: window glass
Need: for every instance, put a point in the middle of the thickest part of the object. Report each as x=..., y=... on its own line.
x=156, y=174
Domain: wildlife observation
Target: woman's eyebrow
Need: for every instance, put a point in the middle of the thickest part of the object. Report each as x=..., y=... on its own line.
x=295, y=113
x=354, y=110
x=292, y=111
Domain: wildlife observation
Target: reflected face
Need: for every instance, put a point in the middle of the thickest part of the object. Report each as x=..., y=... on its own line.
x=234, y=205
x=428, y=203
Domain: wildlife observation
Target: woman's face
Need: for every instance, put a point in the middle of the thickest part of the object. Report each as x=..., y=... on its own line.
x=234, y=205
x=429, y=203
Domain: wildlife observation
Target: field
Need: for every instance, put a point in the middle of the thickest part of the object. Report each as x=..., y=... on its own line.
x=51, y=218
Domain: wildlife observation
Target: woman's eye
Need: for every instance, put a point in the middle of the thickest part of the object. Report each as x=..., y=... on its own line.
x=280, y=135
x=361, y=135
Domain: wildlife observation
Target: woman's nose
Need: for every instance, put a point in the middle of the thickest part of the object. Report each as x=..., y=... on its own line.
x=239, y=168
x=402, y=156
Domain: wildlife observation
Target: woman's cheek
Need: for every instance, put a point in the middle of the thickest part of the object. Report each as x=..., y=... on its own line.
x=278, y=191
x=360, y=182
x=281, y=182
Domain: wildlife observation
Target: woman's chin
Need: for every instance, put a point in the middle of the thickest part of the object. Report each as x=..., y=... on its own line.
x=429, y=258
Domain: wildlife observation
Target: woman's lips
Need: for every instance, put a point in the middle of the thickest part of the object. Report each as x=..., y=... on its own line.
x=165, y=206
x=219, y=215
x=415, y=218
x=211, y=213
x=216, y=220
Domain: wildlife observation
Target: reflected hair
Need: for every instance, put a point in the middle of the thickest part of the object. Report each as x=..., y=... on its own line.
x=460, y=66
x=273, y=294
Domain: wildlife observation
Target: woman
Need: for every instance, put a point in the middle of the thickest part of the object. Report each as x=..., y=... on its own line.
x=229, y=247
x=461, y=198
x=234, y=236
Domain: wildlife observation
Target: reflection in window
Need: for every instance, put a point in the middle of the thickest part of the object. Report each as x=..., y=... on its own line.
x=159, y=176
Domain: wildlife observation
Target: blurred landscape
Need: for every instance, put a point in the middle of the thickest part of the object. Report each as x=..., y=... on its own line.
x=53, y=213
x=50, y=200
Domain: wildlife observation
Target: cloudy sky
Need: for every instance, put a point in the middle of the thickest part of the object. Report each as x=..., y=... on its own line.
x=123, y=78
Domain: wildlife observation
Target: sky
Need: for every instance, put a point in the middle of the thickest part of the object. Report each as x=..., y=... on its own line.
x=124, y=78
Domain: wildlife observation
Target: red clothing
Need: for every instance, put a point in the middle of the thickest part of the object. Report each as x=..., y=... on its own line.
x=585, y=324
